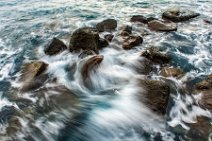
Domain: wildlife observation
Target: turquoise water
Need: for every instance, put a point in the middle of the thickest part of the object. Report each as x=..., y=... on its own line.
x=108, y=112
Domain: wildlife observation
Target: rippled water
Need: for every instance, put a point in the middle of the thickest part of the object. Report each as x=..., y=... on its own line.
x=111, y=110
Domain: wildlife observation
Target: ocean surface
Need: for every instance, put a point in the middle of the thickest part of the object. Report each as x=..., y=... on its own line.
x=109, y=112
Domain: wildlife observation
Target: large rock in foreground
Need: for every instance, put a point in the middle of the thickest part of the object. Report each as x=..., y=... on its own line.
x=179, y=15
x=162, y=25
x=107, y=25
x=85, y=38
x=56, y=46
x=156, y=95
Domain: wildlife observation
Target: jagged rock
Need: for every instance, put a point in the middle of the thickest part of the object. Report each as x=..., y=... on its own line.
x=32, y=75
x=139, y=18
x=162, y=25
x=56, y=46
x=131, y=41
x=109, y=37
x=201, y=130
x=179, y=15
x=156, y=95
x=107, y=25
x=172, y=72
x=103, y=43
x=86, y=53
x=85, y=38
x=156, y=56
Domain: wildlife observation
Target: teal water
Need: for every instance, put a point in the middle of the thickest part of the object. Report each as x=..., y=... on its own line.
x=26, y=26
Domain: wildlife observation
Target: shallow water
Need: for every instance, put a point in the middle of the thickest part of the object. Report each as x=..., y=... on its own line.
x=111, y=109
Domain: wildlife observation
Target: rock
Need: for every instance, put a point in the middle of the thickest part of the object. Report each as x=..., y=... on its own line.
x=90, y=64
x=162, y=26
x=156, y=95
x=172, y=72
x=86, y=53
x=56, y=46
x=126, y=28
x=151, y=19
x=125, y=34
x=86, y=38
x=103, y=43
x=132, y=41
x=107, y=25
x=156, y=56
x=201, y=130
x=32, y=75
x=109, y=37
x=179, y=15
x=139, y=18
x=205, y=87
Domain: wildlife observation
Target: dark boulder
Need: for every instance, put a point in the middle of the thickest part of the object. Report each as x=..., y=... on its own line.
x=179, y=15
x=107, y=25
x=103, y=43
x=109, y=37
x=172, y=72
x=156, y=56
x=131, y=41
x=56, y=46
x=126, y=28
x=139, y=18
x=85, y=38
x=86, y=53
x=162, y=25
x=156, y=95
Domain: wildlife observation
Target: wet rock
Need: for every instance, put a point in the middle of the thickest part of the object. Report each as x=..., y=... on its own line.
x=205, y=87
x=56, y=46
x=162, y=25
x=132, y=41
x=156, y=95
x=86, y=53
x=7, y=112
x=86, y=38
x=156, y=56
x=109, y=37
x=107, y=25
x=90, y=64
x=172, y=72
x=179, y=15
x=151, y=19
x=32, y=75
x=139, y=18
x=125, y=34
x=103, y=43
x=126, y=28
x=201, y=130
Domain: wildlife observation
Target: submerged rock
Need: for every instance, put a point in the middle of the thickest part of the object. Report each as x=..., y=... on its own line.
x=156, y=56
x=32, y=75
x=56, y=46
x=162, y=26
x=127, y=29
x=156, y=95
x=109, y=37
x=131, y=41
x=179, y=15
x=107, y=25
x=172, y=72
x=139, y=18
x=85, y=38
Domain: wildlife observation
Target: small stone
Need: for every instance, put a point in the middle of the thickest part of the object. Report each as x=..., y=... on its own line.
x=132, y=41
x=107, y=25
x=56, y=46
x=162, y=26
x=139, y=18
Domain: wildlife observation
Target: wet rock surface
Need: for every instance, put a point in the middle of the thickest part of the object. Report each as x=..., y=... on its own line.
x=109, y=37
x=85, y=38
x=56, y=46
x=107, y=25
x=103, y=43
x=131, y=41
x=139, y=18
x=172, y=72
x=179, y=15
x=162, y=25
x=86, y=53
x=156, y=95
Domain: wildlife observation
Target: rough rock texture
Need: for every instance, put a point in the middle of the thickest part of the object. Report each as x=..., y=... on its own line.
x=179, y=15
x=156, y=56
x=139, y=18
x=86, y=53
x=131, y=41
x=84, y=38
x=205, y=87
x=32, y=75
x=56, y=46
x=162, y=26
x=156, y=95
x=107, y=25
x=172, y=72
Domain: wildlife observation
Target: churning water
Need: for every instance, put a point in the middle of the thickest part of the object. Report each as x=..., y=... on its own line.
x=111, y=110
